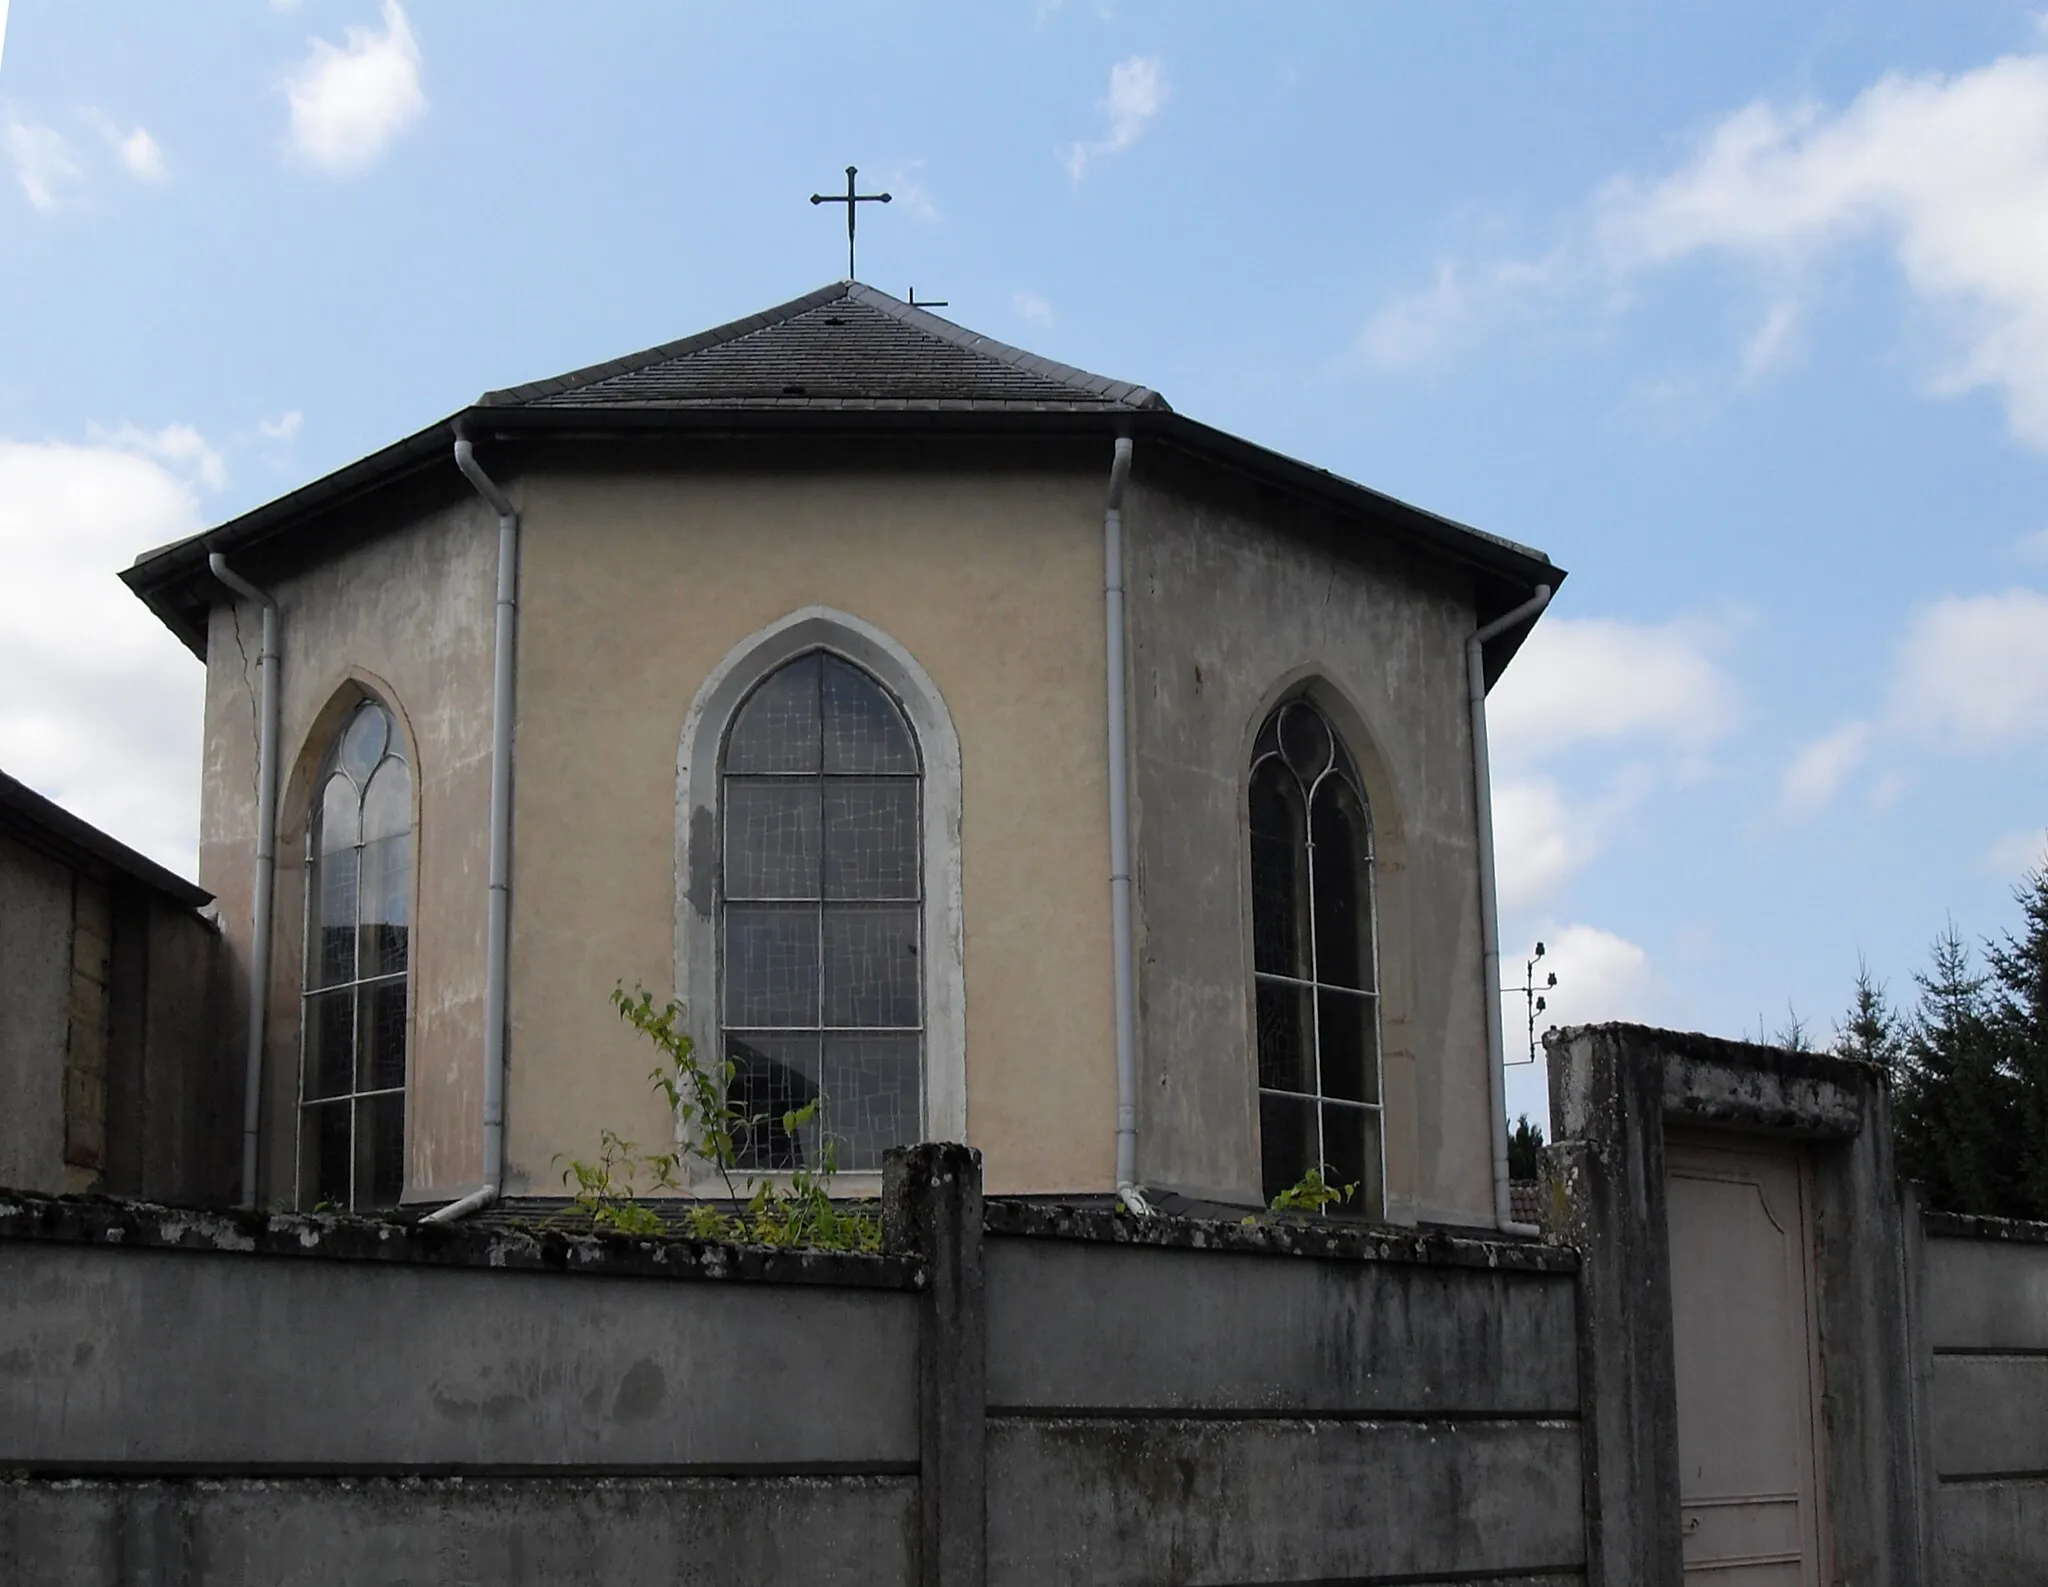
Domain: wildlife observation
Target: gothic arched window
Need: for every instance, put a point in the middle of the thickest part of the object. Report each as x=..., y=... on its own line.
x=821, y=900
x=352, y=1056
x=1314, y=959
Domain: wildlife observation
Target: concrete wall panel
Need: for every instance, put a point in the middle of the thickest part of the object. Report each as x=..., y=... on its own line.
x=1990, y=1415
x=171, y=1359
x=1986, y=1295
x=461, y=1532
x=1990, y=1534
x=1214, y=1502
x=1073, y=1324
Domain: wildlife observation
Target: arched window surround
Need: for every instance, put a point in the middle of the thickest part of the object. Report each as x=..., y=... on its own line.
x=317, y=763
x=1369, y=775
x=697, y=856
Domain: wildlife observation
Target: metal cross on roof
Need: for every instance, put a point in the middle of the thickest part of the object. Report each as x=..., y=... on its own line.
x=852, y=201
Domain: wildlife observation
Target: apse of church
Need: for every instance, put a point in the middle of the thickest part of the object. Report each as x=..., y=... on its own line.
x=810, y=702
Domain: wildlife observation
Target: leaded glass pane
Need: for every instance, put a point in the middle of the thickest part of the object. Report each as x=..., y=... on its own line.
x=1343, y=939
x=330, y=1055
x=864, y=730
x=1279, y=865
x=871, y=967
x=380, y=1030
x=332, y=951
x=1304, y=741
x=1287, y=1139
x=324, y=1156
x=771, y=837
x=871, y=837
x=774, y=1075
x=341, y=825
x=386, y=900
x=1287, y=1057
x=380, y=1151
x=387, y=805
x=1344, y=1045
x=771, y=965
x=872, y=1087
x=1346, y=1133
x=777, y=729
x=362, y=746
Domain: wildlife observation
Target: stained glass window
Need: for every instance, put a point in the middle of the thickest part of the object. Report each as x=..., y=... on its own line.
x=1314, y=960
x=821, y=916
x=358, y=939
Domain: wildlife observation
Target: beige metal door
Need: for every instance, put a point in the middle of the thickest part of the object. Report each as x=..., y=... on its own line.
x=1748, y=1372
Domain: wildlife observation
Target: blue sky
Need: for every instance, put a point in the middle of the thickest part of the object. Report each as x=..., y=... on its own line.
x=1739, y=310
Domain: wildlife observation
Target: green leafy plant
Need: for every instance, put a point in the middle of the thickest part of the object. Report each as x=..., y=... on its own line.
x=1311, y=1193
x=714, y=1132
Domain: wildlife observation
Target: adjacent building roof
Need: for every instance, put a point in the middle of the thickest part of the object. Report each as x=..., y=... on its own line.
x=845, y=358
x=47, y=827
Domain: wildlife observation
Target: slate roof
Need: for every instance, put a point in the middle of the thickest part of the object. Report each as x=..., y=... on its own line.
x=845, y=346
x=845, y=360
x=48, y=828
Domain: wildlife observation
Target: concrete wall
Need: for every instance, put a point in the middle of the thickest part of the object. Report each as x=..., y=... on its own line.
x=1267, y=1408
x=108, y=996
x=1017, y=1394
x=1237, y=599
x=35, y=1016
x=1983, y=1330
x=408, y=617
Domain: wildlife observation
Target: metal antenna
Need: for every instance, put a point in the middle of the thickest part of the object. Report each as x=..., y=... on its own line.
x=928, y=303
x=1533, y=997
x=852, y=201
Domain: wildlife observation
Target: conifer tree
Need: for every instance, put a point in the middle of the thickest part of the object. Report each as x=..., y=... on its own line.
x=1957, y=1108
x=2016, y=1014
x=1870, y=1030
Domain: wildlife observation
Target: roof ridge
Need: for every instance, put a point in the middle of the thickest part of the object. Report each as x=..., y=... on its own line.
x=1122, y=392
x=731, y=331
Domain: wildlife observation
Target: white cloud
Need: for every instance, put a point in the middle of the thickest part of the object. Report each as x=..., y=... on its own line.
x=1950, y=174
x=1818, y=771
x=2015, y=853
x=1972, y=672
x=1138, y=91
x=1591, y=679
x=102, y=708
x=349, y=102
x=2032, y=547
x=1455, y=308
x=1539, y=841
x=1030, y=306
x=1601, y=976
x=43, y=161
x=284, y=428
x=142, y=156
x=906, y=186
x=174, y=443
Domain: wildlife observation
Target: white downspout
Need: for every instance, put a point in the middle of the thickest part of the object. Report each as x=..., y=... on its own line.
x=1489, y=922
x=1123, y=942
x=266, y=868
x=499, y=931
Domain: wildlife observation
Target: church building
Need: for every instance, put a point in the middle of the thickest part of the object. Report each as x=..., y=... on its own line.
x=973, y=744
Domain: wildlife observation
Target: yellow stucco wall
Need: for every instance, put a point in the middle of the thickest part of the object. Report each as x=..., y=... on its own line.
x=633, y=588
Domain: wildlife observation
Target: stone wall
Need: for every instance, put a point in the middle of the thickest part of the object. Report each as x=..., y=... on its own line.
x=1014, y=1394
x=1983, y=1348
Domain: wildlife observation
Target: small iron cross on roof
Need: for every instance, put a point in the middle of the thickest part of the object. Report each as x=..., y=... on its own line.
x=852, y=201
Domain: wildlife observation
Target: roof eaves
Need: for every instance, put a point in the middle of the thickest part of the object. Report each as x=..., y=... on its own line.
x=47, y=825
x=731, y=331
